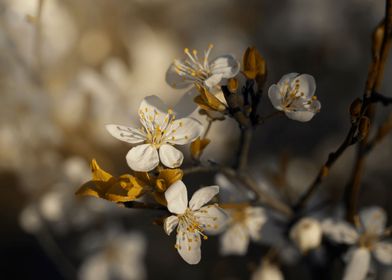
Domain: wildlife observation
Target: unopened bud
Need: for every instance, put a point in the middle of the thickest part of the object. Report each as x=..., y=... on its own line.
x=232, y=84
x=355, y=108
x=363, y=128
x=306, y=234
x=254, y=65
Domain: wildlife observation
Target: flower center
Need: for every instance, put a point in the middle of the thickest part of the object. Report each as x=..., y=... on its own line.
x=291, y=95
x=368, y=240
x=157, y=126
x=191, y=223
x=194, y=68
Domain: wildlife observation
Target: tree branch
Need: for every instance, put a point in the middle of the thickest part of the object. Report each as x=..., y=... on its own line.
x=381, y=45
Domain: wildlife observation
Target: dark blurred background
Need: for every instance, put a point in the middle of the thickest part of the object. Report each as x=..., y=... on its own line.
x=68, y=67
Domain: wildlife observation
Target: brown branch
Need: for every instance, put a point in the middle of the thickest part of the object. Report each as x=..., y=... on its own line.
x=243, y=151
x=381, y=41
x=324, y=170
x=381, y=45
x=384, y=129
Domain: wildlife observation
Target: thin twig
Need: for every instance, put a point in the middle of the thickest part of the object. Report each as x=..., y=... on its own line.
x=381, y=46
x=243, y=151
x=351, y=138
x=384, y=129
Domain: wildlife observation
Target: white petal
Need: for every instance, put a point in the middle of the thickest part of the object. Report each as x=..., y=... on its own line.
x=383, y=252
x=301, y=116
x=177, y=198
x=202, y=196
x=143, y=158
x=154, y=111
x=188, y=245
x=226, y=65
x=212, y=219
x=287, y=78
x=339, y=231
x=175, y=80
x=358, y=265
x=213, y=81
x=186, y=105
x=255, y=219
x=275, y=97
x=373, y=220
x=183, y=131
x=307, y=84
x=170, y=223
x=127, y=134
x=170, y=156
x=234, y=241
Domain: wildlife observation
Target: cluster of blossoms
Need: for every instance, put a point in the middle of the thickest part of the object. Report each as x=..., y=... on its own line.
x=224, y=90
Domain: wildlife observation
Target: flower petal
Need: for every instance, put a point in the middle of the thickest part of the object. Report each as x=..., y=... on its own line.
x=383, y=252
x=307, y=85
x=184, y=131
x=373, y=220
x=202, y=196
x=143, y=158
x=287, y=78
x=170, y=224
x=126, y=134
x=186, y=106
x=212, y=219
x=170, y=156
x=255, y=219
x=339, y=231
x=152, y=112
x=226, y=65
x=234, y=241
x=301, y=116
x=174, y=79
x=177, y=198
x=188, y=245
x=213, y=81
x=358, y=265
x=275, y=97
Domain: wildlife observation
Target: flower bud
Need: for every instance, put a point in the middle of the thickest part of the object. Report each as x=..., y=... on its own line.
x=355, y=108
x=306, y=234
x=254, y=65
x=232, y=84
x=363, y=128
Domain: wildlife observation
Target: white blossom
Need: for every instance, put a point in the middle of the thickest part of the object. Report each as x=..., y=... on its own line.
x=245, y=225
x=155, y=139
x=365, y=240
x=306, y=234
x=267, y=271
x=193, y=221
x=201, y=71
x=294, y=95
x=119, y=257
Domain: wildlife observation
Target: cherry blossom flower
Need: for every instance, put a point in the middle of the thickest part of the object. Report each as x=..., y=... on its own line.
x=119, y=256
x=192, y=220
x=155, y=139
x=200, y=71
x=365, y=240
x=294, y=95
x=245, y=225
x=306, y=234
x=267, y=271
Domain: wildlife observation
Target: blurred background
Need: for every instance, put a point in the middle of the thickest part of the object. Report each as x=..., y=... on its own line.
x=68, y=67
